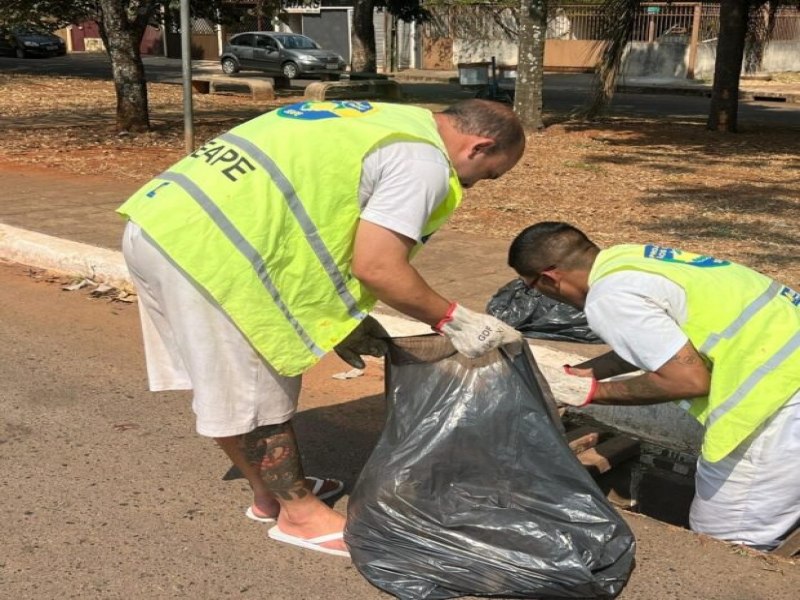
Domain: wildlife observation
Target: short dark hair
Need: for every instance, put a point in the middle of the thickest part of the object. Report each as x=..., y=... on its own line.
x=550, y=243
x=488, y=119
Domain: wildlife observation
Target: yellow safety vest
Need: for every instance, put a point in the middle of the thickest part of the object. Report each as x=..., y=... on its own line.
x=745, y=325
x=263, y=218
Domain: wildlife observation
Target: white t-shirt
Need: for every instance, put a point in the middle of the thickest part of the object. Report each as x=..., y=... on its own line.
x=402, y=183
x=639, y=315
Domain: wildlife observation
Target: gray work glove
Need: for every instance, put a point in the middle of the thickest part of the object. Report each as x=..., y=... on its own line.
x=474, y=334
x=368, y=338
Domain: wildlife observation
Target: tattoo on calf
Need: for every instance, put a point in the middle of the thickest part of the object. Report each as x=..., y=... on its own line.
x=273, y=449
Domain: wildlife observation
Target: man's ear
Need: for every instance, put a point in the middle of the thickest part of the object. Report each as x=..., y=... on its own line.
x=552, y=277
x=480, y=146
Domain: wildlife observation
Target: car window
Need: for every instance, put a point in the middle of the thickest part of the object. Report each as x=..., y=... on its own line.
x=242, y=40
x=297, y=42
x=263, y=41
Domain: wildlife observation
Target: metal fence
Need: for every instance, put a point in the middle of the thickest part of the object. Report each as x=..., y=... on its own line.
x=655, y=22
x=668, y=21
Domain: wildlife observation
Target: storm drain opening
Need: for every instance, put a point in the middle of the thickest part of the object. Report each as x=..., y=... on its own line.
x=635, y=475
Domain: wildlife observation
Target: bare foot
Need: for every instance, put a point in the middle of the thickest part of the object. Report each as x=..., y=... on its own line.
x=267, y=507
x=311, y=518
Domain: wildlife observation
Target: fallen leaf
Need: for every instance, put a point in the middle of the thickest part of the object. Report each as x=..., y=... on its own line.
x=351, y=374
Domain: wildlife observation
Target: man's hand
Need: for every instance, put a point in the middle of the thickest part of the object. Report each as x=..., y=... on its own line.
x=474, y=334
x=368, y=338
x=578, y=371
x=586, y=385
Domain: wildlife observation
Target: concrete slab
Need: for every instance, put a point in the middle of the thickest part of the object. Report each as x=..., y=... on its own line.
x=369, y=89
x=260, y=89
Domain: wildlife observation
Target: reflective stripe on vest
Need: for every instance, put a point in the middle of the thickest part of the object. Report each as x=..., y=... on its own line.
x=747, y=314
x=745, y=325
x=275, y=221
x=307, y=226
x=247, y=250
x=773, y=362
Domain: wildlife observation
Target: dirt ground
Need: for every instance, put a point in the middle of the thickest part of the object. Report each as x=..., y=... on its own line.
x=732, y=196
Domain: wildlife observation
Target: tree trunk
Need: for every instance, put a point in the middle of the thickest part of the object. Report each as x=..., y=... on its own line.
x=733, y=20
x=364, y=37
x=530, y=65
x=617, y=26
x=122, y=38
x=760, y=28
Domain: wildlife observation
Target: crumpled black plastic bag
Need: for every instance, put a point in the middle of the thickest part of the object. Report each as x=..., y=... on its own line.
x=537, y=316
x=473, y=490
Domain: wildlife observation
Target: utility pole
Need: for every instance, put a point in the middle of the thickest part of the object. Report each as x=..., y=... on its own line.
x=186, y=67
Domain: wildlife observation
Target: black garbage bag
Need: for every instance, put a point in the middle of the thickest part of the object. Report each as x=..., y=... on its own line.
x=473, y=490
x=537, y=316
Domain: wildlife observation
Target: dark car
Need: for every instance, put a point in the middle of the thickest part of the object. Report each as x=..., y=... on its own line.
x=288, y=55
x=29, y=40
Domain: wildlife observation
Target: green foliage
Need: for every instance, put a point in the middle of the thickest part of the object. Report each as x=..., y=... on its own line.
x=493, y=3
x=406, y=10
x=54, y=14
x=512, y=3
x=50, y=14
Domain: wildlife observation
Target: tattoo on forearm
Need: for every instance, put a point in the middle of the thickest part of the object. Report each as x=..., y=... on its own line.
x=273, y=449
x=641, y=388
x=676, y=379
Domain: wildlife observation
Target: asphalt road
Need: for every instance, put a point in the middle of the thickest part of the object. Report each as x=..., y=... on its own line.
x=107, y=493
x=563, y=93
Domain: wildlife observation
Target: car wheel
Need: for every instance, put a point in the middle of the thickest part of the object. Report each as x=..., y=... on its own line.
x=20, y=53
x=229, y=66
x=290, y=70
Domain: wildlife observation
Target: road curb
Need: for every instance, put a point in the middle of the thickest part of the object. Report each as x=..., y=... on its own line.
x=107, y=266
x=753, y=95
x=64, y=256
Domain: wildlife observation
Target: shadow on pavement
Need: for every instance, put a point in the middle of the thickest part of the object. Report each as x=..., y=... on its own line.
x=337, y=440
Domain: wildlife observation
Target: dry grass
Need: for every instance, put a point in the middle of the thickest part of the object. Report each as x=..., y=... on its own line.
x=733, y=196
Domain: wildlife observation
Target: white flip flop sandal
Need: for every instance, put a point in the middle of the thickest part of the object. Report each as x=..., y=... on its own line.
x=310, y=543
x=250, y=514
x=315, y=488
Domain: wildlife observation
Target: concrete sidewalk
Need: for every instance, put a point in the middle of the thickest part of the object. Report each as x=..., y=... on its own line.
x=751, y=89
x=44, y=204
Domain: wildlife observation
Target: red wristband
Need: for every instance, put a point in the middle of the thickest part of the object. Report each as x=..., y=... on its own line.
x=448, y=316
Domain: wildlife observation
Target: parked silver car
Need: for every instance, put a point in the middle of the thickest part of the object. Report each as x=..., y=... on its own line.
x=288, y=55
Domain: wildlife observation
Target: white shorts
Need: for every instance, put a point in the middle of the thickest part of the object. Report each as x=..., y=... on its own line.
x=190, y=343
x=752, y=496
